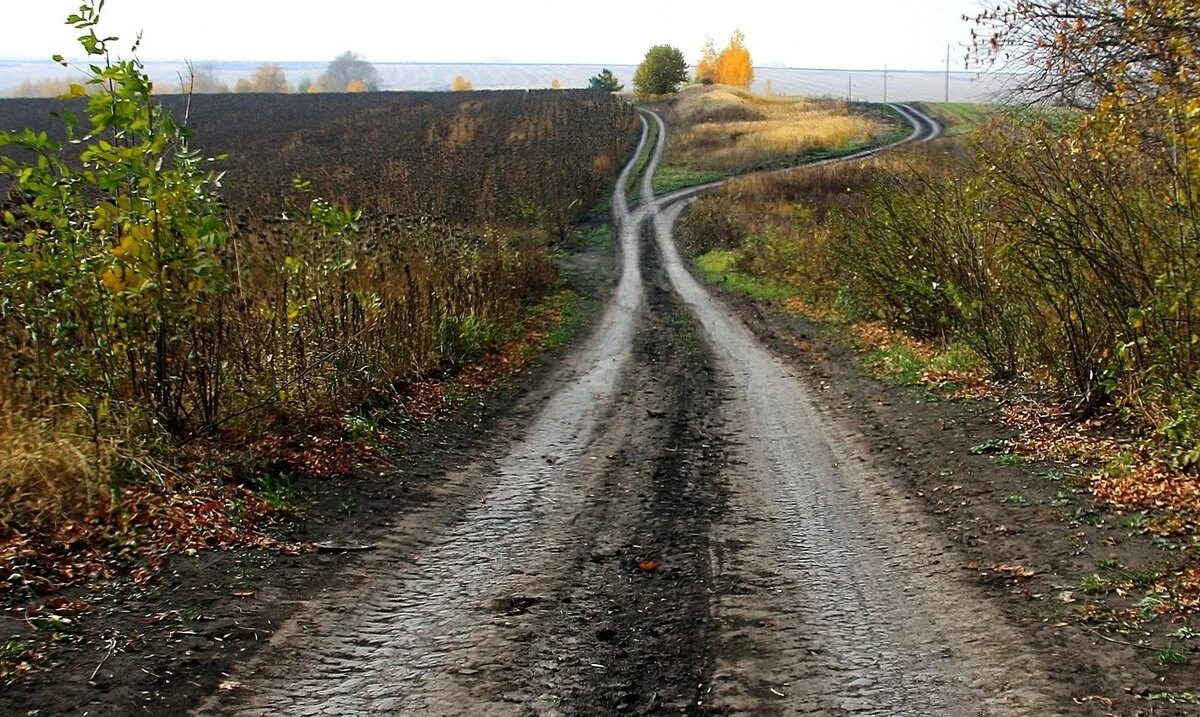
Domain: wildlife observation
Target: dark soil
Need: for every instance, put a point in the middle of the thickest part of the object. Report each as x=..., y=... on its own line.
x=634, y=595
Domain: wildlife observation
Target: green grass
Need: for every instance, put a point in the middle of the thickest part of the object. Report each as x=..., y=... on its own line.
x=959, y=118
x=720, y=267
x=1168, y=655
x=600, y=236
x=900, y=365
x=635, y=179
x=1010, y=460
x=1094, y=585
x=670, y=178
x=992, y=447
x=279, y=490
x=574, y=315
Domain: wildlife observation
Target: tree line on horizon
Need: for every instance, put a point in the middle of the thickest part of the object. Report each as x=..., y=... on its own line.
x=348, y=72
x=663, y=71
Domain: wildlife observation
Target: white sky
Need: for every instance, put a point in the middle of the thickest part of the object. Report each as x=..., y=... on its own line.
x=844, y=34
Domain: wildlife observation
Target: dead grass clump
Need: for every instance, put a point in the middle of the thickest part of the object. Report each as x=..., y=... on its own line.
x=725, y=129
x=48, y=471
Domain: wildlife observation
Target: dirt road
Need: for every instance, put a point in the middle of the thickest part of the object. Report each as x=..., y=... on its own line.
x=676, y=528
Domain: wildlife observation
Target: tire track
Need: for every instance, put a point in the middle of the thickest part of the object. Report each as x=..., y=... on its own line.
x=835, y=598
x=428, y=633
x=815, y=606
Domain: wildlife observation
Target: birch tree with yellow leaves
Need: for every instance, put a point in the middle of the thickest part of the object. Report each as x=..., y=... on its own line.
x=734, y=66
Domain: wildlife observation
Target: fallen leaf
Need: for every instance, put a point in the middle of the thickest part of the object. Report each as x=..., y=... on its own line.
x=1016, y=571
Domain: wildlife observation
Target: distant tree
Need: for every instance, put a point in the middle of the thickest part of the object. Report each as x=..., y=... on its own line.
x=202, y=80
x=555, y=84
x=304, y=85
x=357, y=86
x=243, y=85
x=734, y=65
x=661, y=73
x=314, y=90
x=461, y=84
x=769, y=89
x=706, y=68
x=606, y=81
x=269, y=78
x=42, y=88
x=346, y=68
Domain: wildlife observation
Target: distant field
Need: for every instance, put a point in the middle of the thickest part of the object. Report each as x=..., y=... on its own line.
x=859, y=85
x=458, y=156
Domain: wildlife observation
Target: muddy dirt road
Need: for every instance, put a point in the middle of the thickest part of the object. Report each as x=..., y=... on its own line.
x=676, y=529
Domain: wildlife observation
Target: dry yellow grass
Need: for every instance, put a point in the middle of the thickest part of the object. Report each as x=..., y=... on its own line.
x=724, y=128
x=47, y=471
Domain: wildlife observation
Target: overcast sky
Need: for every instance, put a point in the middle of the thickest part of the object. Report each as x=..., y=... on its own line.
x=850, y=34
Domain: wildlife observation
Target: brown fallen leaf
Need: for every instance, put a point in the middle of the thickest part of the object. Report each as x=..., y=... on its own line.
x=1016, y=571
x=648, y=566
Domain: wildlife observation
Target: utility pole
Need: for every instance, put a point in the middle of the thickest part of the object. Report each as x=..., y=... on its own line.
x=885, y=78
x=947, y=74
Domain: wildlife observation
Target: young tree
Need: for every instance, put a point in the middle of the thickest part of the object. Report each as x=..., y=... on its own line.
x=269, y=77
x=243, y=86
x=202, y=80
x=706, y=68
x=661, y=73
x=346, y=68
x=305, y=85
x=555, y=84
x=461, y=84
x=357, y=86
x=122, y=262
x=605, y=81
x=734, y=65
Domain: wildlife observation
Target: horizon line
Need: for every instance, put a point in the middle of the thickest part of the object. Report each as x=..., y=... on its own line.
x=508, y=63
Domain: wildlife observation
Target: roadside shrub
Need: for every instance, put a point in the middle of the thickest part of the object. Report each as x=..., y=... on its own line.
x=1058, y=244
x=1069, y=254
x=140, y=314
x=926, y=258
x=712, y=224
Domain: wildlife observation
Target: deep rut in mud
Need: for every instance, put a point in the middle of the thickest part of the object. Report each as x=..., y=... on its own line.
x=576, y=583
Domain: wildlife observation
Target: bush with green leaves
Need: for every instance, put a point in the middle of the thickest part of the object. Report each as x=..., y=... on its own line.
x=662, y=72
x=128, y=290
x=110, y=265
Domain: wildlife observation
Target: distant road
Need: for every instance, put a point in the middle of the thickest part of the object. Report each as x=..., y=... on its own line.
x=867, y=86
